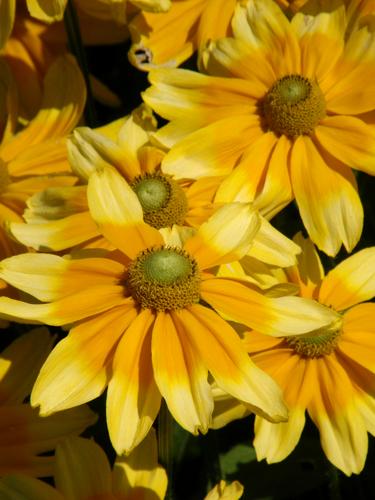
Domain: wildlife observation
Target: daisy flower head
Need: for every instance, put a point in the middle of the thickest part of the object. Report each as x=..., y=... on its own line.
x=147, y=318
x=83, y=470
x=283, y=113
x=25, y=436
x=330, y=372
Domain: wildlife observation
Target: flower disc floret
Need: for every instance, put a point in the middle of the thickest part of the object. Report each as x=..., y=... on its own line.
x=293, y=106
x=163, y=201
x=164, y=278
x=322, y=342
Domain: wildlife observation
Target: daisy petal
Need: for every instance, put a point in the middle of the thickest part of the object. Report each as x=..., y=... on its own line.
x=180, y=376
x=133, y=398
x=350, y=282
x=350, y=140
x=278, y=317
x=226, y=236
x=327, y=198
x=224, y=355
x=7, y=13
x=115, y=208
x=76, y=371
x=47, y=11
x=16, y=486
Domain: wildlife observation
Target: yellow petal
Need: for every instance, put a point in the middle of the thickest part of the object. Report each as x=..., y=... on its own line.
x=223, y=353
x=180, y=375
x=17, y=486
x=350, y=282
x=226, y=236
x=116, y=209
x=7, y=13
x=279, y=317
x=133, y=398
x=47, y=10
x=327, y=198
x=223, y=491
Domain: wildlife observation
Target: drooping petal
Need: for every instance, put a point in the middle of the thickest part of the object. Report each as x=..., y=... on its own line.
x=133, y=398
x=226, y=236
x=350, y=282
x=7, y=13
x=78, y=368
x=222, y=352
x=82, y=469
x=180, y=375
x=327, y=198
x=279, y=317
x=116, y=209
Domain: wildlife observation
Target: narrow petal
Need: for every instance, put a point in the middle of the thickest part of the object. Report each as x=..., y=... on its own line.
x=350, y=140
x=226, y=236
x=278, y=317
x=350, y=282
x=47, y=11
x=181, y=376
x=78, y=462
x=327, y=198
x=342, y=430
x=7, y=13
x=17, y=486
x=77, y=370
x=224, y=355
x=115, y=208
x=133, y=398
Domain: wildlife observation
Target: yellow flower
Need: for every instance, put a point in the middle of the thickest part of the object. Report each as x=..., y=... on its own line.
x=223, y=491
x=286, y=114
x=59, y=218
x=36, y=157
x=329, y=373
x=24, y=435
x=144, y=328
x=83, y=471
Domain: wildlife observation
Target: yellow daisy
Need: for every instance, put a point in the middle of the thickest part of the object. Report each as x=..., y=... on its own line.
x=330, y=373
x=24, y=435
x=36, y=157
x=59, y=218
x=83, y=471
x=285, y=112
x=142, y=324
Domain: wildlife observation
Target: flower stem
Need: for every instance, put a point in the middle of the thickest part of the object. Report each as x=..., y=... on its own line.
x=165, y=444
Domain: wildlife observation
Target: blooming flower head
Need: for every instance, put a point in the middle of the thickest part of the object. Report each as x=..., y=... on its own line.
x=83, y=470
x=36, y=157
x=284, y=113
x=24, y=435
x=143, y=324
x=330, y=373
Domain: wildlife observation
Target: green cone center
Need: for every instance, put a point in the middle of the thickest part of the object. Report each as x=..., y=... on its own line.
x=293, y=106
x=163, y=201
x=164, y=278
x=321, y=342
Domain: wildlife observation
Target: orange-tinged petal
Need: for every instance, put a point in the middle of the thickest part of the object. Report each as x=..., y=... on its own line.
x=226, y=236
x=327, y=198
x=342, y=430
x=279, y=317
x=140, y=471
x=61, y=108
x=133, y=398
x=116, y=209
x=350, y=140
x=20, y=363
x=77, y=370
x=225, y=357
x=180, y=375
x=82, y=469
x=350, y=282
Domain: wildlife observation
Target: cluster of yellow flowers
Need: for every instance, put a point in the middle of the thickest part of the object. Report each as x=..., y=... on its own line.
x=153, y=246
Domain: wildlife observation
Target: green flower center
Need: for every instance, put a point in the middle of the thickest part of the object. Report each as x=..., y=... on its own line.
x=293, y=106
x=321, y=342
x=163, y=201
x=164, y=278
